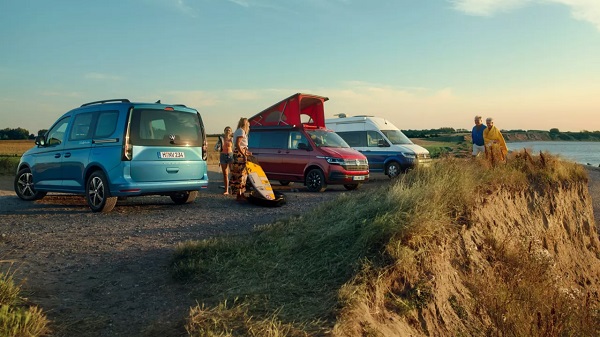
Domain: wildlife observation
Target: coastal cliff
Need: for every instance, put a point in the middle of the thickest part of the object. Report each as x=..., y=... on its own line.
x=521, y=262
x=465, y=247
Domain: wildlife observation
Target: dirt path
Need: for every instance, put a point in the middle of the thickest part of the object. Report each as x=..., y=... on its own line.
x=107, y=274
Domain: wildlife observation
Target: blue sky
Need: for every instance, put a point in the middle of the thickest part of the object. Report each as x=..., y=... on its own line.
x=530, y=64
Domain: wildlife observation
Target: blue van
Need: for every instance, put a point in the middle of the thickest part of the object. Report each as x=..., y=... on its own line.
x=116, y=148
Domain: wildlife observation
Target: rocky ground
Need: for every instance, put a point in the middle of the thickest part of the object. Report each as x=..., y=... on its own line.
x=107, y=274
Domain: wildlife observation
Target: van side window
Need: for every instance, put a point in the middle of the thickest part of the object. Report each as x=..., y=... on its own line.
x=273, y=140
x=107, y=123
x=354, y=138
x=295, y=139
x=81, y=126
x=373, y=138
x=56, y=135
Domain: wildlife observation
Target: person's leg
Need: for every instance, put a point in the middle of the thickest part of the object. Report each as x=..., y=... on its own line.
x=225, y=178
x=227, y=170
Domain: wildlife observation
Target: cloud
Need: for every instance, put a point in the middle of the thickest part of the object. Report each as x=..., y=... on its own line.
x=102, y=77
x=583, y=10
x=184, y=8
x=487, y=7
x=242, y=3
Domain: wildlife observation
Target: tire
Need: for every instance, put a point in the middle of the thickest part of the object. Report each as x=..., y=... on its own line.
x=393, y=169
x=184, y=197
x=97, y=193
x=351, y=187
x=24, y=188
x=285, y=182
x=315, y=181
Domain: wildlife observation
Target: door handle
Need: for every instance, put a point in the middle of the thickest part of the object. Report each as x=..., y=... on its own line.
x=57, y=155
x=68, y=154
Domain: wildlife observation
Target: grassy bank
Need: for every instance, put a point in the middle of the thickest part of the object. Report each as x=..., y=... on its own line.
x=445, y=146
x=300, y=276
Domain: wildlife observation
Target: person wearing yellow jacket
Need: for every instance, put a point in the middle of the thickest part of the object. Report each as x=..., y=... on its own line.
x=495, y=145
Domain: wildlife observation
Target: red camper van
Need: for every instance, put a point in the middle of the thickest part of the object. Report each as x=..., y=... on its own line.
x=291, y=143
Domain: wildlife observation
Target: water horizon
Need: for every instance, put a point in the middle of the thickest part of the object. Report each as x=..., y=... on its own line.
x=586, y=153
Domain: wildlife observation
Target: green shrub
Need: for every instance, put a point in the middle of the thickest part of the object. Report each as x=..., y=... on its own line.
x=8, y=164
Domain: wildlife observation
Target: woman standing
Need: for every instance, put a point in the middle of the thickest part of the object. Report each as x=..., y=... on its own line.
x=226, y=156
x=240, y=154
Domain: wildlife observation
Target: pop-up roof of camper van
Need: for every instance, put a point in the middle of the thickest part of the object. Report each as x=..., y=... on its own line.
x=298, y=109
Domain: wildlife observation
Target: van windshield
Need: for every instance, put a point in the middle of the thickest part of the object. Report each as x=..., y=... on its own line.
x=397, y=137
x=323, y=138
x=152, y=127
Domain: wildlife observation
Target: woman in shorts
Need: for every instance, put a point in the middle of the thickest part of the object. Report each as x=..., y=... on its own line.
x=226, y=155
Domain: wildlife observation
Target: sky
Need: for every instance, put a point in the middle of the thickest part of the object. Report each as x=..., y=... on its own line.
x=422, y=64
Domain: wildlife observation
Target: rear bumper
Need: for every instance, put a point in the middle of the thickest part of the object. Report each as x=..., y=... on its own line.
x=158, y=188
x=126, y=186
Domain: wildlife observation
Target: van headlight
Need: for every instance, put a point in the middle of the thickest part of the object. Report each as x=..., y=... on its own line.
x=336, y=161
x=409, y=155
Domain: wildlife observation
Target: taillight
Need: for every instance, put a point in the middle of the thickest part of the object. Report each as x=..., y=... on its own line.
x=204, y=150
x=127, y=151
x=127, y=147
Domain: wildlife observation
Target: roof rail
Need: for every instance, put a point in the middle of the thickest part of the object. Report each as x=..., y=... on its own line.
x=122, y=100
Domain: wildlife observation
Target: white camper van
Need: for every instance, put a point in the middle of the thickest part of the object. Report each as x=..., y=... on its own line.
x=385, y=146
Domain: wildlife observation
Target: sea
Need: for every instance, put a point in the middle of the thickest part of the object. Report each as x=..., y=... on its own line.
x=586, y=153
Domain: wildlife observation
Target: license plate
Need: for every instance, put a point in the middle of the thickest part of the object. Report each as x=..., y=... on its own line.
x=171, y=155
x=358, y=178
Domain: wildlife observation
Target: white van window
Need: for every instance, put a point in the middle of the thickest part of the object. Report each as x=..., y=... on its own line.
x=354, y=138
x=373, y=138
x=396, y=137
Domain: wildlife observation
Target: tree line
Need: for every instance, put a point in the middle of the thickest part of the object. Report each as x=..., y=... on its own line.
x=552, y=134
x=18, y=134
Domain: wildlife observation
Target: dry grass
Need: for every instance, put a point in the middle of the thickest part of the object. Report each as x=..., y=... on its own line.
x=17, y=318
x=15, y=147
x=213, y=156
x=371, y=248
x=520, y=296
x=227, y=320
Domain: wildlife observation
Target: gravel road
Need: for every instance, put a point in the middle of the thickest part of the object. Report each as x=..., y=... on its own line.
x=106, y=274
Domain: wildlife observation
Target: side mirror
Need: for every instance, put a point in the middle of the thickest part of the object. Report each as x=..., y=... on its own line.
x=303, y=146
x=40, y=140
x=382, y=143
